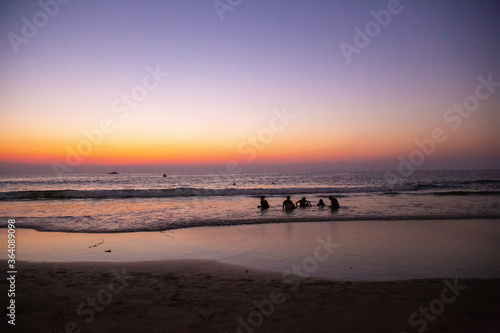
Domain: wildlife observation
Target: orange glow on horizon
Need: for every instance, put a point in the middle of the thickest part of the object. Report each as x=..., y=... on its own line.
x=283, y=148
x=182, y=153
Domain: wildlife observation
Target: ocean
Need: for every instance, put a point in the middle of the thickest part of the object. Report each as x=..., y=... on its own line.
x=112, y=203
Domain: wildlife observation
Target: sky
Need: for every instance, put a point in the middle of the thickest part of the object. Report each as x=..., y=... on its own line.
x=248, y=85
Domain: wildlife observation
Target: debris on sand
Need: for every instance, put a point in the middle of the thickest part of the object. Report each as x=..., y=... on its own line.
x=96, y=244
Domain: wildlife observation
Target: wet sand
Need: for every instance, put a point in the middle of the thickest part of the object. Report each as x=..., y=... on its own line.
x=206, y=296
x=365, y=250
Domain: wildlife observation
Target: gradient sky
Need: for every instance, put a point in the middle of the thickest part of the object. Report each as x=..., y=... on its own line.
x=227, y=77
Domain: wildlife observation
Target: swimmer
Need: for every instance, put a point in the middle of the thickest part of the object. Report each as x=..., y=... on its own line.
x=334, y=203
x=288, y=204
x=263, y=203
x=303, y=203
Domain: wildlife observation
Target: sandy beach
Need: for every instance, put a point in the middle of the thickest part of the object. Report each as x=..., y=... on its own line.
x=384, y=276
x=205, y=296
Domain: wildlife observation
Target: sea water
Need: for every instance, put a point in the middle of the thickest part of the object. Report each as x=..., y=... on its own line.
x=151, y=202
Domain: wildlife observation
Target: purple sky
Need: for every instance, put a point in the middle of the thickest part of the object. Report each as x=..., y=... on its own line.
x=226, y=77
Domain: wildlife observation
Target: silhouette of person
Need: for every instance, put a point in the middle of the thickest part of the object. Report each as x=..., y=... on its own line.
x=334, y=203
x=321, y=203
x=288, y=204
x=263, y=203
x=303, y=203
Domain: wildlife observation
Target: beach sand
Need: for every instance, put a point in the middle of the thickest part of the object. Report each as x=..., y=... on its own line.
x=206, y=296
x=374, y=276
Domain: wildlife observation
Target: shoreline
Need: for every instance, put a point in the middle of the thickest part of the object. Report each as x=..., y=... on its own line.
x=361, y=250
x=208, y=296
x=238, y=223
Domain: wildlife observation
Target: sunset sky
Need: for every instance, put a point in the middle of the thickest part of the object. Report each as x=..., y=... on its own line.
x=263, y=83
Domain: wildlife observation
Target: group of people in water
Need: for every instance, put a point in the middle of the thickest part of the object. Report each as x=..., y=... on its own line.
x=289, y=206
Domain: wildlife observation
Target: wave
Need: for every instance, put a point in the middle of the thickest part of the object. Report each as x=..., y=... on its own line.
x=464, y=193
x=45, y=226
x=457, y=184
x=186, y=191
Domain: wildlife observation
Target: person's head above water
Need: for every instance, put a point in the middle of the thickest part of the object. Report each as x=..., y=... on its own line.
x=287, y=197
x=262, y=197
x=303, y=198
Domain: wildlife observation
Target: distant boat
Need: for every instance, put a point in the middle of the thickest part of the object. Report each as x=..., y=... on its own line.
x=164, y=175
x=112, y=173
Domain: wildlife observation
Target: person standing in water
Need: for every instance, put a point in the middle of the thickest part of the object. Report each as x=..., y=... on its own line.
x=334, y=203
x=288, y=204
x=263, y=203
